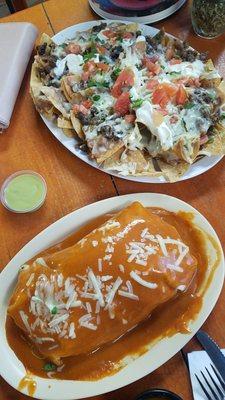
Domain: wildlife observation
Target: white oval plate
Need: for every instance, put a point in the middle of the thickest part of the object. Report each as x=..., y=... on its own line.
x=71, y=143
x=12, y=369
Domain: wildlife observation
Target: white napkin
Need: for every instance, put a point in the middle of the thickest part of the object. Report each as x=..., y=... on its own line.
x=198, y=360
x=16, y=44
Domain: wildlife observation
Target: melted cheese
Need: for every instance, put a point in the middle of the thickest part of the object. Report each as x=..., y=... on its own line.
x=194, y=69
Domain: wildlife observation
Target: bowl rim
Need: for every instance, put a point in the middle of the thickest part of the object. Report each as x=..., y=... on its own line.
x=157, y=391
x=10, y=178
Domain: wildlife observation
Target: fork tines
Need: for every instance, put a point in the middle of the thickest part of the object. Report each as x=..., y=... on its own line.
x=213, y=389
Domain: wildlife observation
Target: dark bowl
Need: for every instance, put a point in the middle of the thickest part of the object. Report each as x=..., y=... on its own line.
x=160, y=393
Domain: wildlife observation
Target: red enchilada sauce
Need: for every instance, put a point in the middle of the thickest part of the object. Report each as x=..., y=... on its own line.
x=165, y=321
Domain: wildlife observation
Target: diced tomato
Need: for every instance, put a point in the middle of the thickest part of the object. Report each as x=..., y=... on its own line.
x=76, y=108
x=160, y=97
x=80, y=108
x=87, y=103
x=152, y=84
x=122, y=104
x=170, y=89
x=102, y=66
x=127, y=35
x=85, y=76
x=73, y=48
x=175, y=61
x=125, y=79
x=130, y=118
x=181, y=96
x=101, y=49
x=163, y=112
x=151, y=66
x=83, y=109
x=89, y=66
x=164, y=93
x=109, y=34
x=169, y=53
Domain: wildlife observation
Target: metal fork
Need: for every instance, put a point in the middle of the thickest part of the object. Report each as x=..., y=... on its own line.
x=212, y=389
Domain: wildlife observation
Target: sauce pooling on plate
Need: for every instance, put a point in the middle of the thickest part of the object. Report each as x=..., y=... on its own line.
x=164, y=321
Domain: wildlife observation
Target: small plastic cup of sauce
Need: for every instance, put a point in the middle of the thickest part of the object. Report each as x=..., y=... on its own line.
x=158, y=394
x=23, y=192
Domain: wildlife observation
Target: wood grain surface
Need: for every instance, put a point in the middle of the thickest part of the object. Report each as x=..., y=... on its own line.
x=71, y=183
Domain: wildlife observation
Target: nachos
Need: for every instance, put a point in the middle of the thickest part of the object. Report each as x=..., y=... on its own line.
x=140, y=105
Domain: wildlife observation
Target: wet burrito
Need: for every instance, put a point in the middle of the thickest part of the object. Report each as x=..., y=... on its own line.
x=78, y=299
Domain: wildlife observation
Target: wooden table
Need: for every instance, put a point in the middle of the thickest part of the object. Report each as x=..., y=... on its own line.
x=72, y=184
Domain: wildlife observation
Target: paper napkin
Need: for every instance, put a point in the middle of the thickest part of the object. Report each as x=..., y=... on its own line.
x=198, y=360
x=16, y=44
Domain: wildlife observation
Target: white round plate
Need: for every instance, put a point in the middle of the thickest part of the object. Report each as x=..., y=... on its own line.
x=12, y=369
x=72, y=144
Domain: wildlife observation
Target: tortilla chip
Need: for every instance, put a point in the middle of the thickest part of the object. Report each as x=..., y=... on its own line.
x=99, y=143
x=72, y=97
x=173, y=173
x=183, y=154
x=111, y=162
x=216, y=144
x=35, y=82
x=46, y=39
x=132, y=162
x=209, y=66
x=127, y=158
x=77, y=125
x=64, y=123
x=221, y=129
x=69, y=132
x=221, y=91
x=41, y=102
x=109, y=153
x=56, y=98
x=211, y=82
x=133, y=27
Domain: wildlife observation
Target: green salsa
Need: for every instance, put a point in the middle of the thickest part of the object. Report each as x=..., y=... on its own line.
x=24, y=192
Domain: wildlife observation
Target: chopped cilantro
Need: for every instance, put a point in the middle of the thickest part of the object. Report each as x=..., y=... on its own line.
x=222, y=116
x=88, y=55
x=212, y=95
x=119, y=39
x=96, y=97
x=188, y=105
x=162, y=66
x=54, y=310
x=115, y=73
x=48, y=367
x=92, y=83
x=137, y=103
x=211, y=140
x=175, y=73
